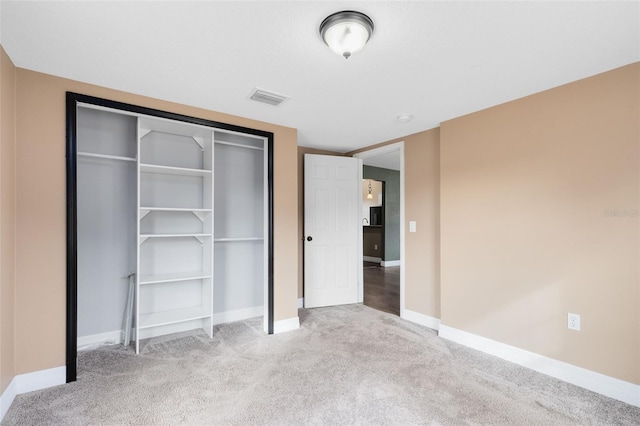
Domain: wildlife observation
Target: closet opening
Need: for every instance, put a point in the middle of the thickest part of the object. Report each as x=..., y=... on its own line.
x=169, y=224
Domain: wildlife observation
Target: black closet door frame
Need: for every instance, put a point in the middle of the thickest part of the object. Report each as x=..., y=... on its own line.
x=73, y=99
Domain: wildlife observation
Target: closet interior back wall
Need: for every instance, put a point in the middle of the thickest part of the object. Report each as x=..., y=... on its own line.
x=239, y=247
x=106, y=185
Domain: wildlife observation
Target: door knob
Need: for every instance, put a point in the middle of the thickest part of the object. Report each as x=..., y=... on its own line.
x=309, y=238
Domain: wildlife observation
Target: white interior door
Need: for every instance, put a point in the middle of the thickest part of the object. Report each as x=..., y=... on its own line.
x=332, y=191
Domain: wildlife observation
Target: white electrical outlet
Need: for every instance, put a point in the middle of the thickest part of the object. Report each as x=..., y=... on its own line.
x=375, y=247
x=573, y=321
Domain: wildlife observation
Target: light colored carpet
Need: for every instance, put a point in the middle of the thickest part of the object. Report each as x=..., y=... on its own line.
x=347, y=365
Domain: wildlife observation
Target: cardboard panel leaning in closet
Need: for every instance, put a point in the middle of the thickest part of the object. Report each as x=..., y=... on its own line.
x=182, y=206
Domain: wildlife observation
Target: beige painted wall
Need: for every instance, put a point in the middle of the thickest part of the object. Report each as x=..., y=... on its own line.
x=540, y=201
x=40, y=266
x=7, y=218
x=301, y=152
x=422, y=204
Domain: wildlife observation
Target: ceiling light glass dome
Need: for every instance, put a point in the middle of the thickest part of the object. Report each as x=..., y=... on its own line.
x=346, y=32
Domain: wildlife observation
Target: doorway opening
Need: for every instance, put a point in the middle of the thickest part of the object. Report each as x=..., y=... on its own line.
x=381, y=284
x=382, y=211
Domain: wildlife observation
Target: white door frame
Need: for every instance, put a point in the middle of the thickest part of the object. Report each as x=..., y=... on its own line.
x=398, y=146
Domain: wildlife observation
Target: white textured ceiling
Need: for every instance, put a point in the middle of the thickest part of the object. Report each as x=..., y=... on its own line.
x=433, y=60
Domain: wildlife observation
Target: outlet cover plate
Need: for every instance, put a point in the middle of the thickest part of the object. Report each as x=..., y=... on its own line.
x=573, y=321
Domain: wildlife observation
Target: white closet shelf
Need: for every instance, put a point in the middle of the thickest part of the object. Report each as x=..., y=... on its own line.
x=224, y=240
x=173, y=209
x=173, y=235
x=168, y=170
x=173, y=277
x=105, y=156
x=172, y=127
x=239, y=145
x=157, y=319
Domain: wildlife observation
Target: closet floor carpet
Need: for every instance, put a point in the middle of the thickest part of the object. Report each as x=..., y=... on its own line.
x=347, y=365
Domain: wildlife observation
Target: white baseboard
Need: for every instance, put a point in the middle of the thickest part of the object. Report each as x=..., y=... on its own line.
x=29, y=382
x=286, y=325
x=7, y=397
x=115, y=337
x=300, y=302
x=596, y=382
x=95, y=340
x=388, y=263
x=421, y=319
x=40, y=379
x=371, y=259
x=238, y=315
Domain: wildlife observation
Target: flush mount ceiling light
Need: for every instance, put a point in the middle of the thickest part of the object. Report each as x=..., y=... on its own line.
x=346, y=32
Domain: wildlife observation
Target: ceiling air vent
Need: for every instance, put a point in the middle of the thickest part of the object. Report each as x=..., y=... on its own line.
x=265, y=97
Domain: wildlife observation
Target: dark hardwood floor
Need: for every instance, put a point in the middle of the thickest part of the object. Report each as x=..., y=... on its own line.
x=382, y=287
